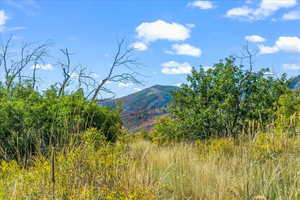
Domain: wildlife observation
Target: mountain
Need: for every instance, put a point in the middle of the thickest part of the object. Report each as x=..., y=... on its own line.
x=141, y=108
x=294, y=83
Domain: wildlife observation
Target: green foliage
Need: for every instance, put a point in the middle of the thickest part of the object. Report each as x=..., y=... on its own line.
x=31, y=122
x=165, y=131
x=287, y=114
x=219, y=101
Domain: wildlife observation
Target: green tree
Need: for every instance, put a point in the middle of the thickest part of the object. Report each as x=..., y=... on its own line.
x=219, y=101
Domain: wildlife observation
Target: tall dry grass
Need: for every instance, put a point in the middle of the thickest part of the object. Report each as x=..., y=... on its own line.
x=221, y=171
x=266, y=167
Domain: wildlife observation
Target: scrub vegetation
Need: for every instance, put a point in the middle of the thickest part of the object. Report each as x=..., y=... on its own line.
x=231, y=133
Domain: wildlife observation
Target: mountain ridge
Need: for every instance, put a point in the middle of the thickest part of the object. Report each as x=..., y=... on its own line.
x=141, y=108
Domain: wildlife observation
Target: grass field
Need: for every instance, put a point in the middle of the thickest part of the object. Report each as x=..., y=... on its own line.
x=264, y=167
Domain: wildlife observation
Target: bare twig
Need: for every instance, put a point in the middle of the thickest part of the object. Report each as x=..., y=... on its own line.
x=122, y=58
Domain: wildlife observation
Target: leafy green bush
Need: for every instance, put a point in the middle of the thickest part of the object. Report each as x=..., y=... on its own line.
x=31, y=122
x=287, y=114
x=219, y=101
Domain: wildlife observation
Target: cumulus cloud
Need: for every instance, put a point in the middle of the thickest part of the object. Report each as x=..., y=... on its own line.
x=277, y=4
x=292, y=15
x=43, y=67
x=284, y=43
x=265, y=9
x=291, y=66
x=161, y=30
x=173, y=68
x=255, y=38
x=267, y=50
x=204, y=5
x=139, y=46
x=239, y=12
x=125, y=84
x=3, y=17
x=185, y=49
x=288, y=44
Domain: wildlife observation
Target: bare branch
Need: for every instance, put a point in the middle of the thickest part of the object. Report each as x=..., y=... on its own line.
x=65, y=66
x=14, y=65
x=122, y=58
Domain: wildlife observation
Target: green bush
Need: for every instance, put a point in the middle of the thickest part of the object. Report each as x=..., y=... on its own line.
x=31, y=122
x=220, y=101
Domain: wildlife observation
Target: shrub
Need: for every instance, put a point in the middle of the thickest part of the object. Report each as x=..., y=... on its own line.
x=217, y=102
x=31, y=122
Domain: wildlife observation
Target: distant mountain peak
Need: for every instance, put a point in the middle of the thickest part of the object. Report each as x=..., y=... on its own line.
x=144, y=105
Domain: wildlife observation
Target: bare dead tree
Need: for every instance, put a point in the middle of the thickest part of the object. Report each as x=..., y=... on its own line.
x=39, y=58
x=14, y=64
x=123, y=58
x=85, y=79
x=33, y=55
x=248, y=55
x=67, y=71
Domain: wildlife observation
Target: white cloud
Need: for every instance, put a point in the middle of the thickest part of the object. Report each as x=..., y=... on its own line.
x=173, y=67
x=291, y=66
x=265, y=9
x=277, y=4
x=139, y=46
x=137, y=89
x=3, y=18
x=239, y=12
x=267, y=50
x=204, y=5
x=255, y=38
x=288, y=44
x=43, y=67
x=161, y=30
x=292, y=15
x=125, y=84
x=185, y=49
x=284, y=43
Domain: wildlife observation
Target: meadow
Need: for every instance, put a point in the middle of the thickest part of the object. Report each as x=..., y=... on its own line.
x=265, y=166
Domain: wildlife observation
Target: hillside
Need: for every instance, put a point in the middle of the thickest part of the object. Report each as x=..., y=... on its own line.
x=140, y=108
x=294, y=83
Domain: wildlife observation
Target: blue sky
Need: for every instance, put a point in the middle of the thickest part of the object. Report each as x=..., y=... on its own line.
x=170, y=36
